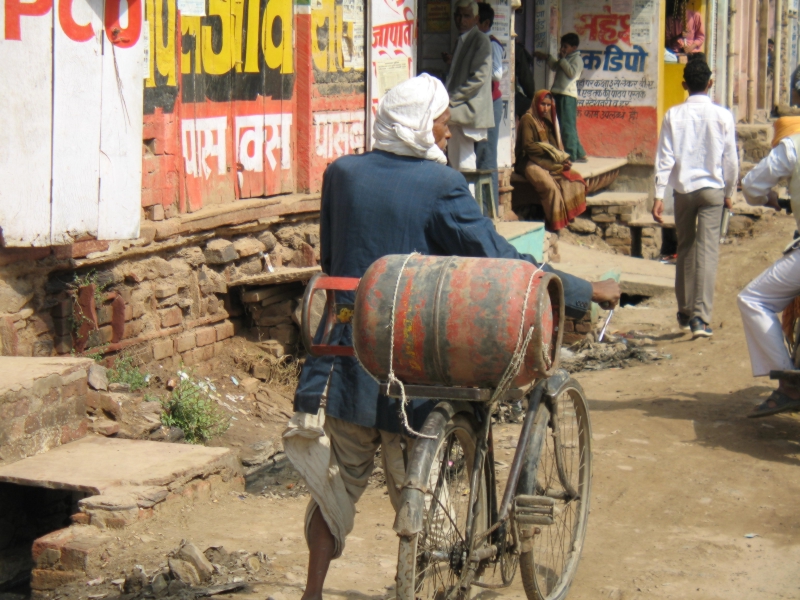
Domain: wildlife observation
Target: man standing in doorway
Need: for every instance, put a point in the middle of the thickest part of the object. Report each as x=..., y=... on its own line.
x=568, y=67
x=469, y=84
x=487, y=151
x=697, y=158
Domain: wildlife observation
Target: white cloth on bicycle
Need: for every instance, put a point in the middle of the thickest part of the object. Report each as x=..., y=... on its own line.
x=335, y=458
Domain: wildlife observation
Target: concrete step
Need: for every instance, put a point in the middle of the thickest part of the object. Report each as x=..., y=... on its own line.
x=635, y=199
x=638, y=276
x=526, y=236
x=649, y=221
x=123, y=475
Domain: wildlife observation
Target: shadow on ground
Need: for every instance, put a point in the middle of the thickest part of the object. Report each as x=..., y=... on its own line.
x=720, y=421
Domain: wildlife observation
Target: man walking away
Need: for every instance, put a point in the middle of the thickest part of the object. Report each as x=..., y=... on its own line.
x=697, y=157
x=469, y=84
x=777, y=287
x=568, y=67
x=486, y=152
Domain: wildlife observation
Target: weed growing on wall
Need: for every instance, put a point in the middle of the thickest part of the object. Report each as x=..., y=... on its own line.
x=125, y=370
x=192, y=406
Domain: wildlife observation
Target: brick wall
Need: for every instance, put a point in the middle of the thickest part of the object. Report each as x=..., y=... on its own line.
x=43, y=411
x=182, y=302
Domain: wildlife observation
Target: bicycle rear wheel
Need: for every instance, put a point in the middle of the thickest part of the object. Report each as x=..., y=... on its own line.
x=430, y=563
x=560, y=469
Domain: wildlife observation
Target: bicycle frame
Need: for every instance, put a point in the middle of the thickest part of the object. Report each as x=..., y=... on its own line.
x=501, y=515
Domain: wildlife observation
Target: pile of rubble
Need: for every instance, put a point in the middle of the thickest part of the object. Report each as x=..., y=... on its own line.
x=614, y=352
x=186, y=573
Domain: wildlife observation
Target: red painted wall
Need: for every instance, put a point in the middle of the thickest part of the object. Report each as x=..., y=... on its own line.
x=235, y=114
x=623, y=132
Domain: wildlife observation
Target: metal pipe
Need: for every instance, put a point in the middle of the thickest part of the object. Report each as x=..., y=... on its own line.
x=729, y=76
x=752, y=57
x=777, y=55
x=711, y=44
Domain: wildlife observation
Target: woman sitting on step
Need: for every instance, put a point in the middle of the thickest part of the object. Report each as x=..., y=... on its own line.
x=540, y=157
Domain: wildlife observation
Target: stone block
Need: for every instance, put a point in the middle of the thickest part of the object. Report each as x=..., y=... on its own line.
x=105, y=427
x=162, y=349
x=250, y=266
x=62, y=309
x=604, y=218
x=206, y=336
x=104, y=314
x=132, y=329
x=185, y=342
x=220, y=251
x=224, y=330
x=98, y=377
x=165, y=290
x=204, y=353
x=192, y=555
x=171, y=317
x=268, y=239
x=47, y=579
x=100, y=337
x=63, y=326
x=42, y=323
x=285, y=334
x=584, y=226
x=248, y=246
x=249, y=385
x=155, y=212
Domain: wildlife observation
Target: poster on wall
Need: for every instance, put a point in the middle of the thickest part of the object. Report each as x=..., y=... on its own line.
x=437, y=17
x=392, y=54
x=617, y=92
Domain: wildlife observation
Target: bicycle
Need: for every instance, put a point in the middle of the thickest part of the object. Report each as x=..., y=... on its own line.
x=539, y=526
x=452, y=528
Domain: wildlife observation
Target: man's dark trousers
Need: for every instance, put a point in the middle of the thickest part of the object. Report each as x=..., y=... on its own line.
x=567, y=111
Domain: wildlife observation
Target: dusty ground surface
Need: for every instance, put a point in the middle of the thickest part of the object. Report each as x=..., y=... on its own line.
x=680, y=477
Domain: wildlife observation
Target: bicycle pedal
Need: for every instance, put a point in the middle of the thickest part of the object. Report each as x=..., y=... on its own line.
x=534, y=510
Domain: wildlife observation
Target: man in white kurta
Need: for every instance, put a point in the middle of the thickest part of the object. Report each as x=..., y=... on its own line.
x=772, y=291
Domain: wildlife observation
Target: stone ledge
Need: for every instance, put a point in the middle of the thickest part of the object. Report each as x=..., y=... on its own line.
x=617, y=199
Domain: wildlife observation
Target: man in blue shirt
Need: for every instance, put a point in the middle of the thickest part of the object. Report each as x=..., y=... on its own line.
x=397, y=199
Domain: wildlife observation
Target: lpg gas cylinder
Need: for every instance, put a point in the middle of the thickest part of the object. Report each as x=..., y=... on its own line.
x=456, y=320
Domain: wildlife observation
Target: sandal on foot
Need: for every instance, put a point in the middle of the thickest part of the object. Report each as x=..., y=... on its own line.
x=780, y=403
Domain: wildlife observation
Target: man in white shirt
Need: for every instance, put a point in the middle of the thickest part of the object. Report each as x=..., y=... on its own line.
x=697, y=158
x=772, y=291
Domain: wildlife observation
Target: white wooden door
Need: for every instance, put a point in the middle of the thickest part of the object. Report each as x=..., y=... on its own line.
x=71, y=87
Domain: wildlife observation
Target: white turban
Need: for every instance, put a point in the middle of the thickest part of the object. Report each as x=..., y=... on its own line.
x=404, y=121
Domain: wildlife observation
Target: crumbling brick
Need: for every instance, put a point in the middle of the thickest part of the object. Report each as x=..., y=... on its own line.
x=171, y=317
x=162, y=349
x=185, y=342
x=206, y=336
x=224, y=330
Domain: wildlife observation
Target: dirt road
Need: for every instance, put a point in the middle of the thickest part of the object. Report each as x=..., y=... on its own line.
x=680, y=478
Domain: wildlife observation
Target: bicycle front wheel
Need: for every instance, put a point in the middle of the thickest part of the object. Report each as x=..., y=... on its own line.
x=432, y=562
x=561, y=470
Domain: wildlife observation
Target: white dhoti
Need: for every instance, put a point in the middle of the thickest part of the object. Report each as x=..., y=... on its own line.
x=461, y=146
x=336, y=459
x=760, y=302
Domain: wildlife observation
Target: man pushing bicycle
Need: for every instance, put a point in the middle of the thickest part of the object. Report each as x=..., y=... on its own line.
x=399, y=198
